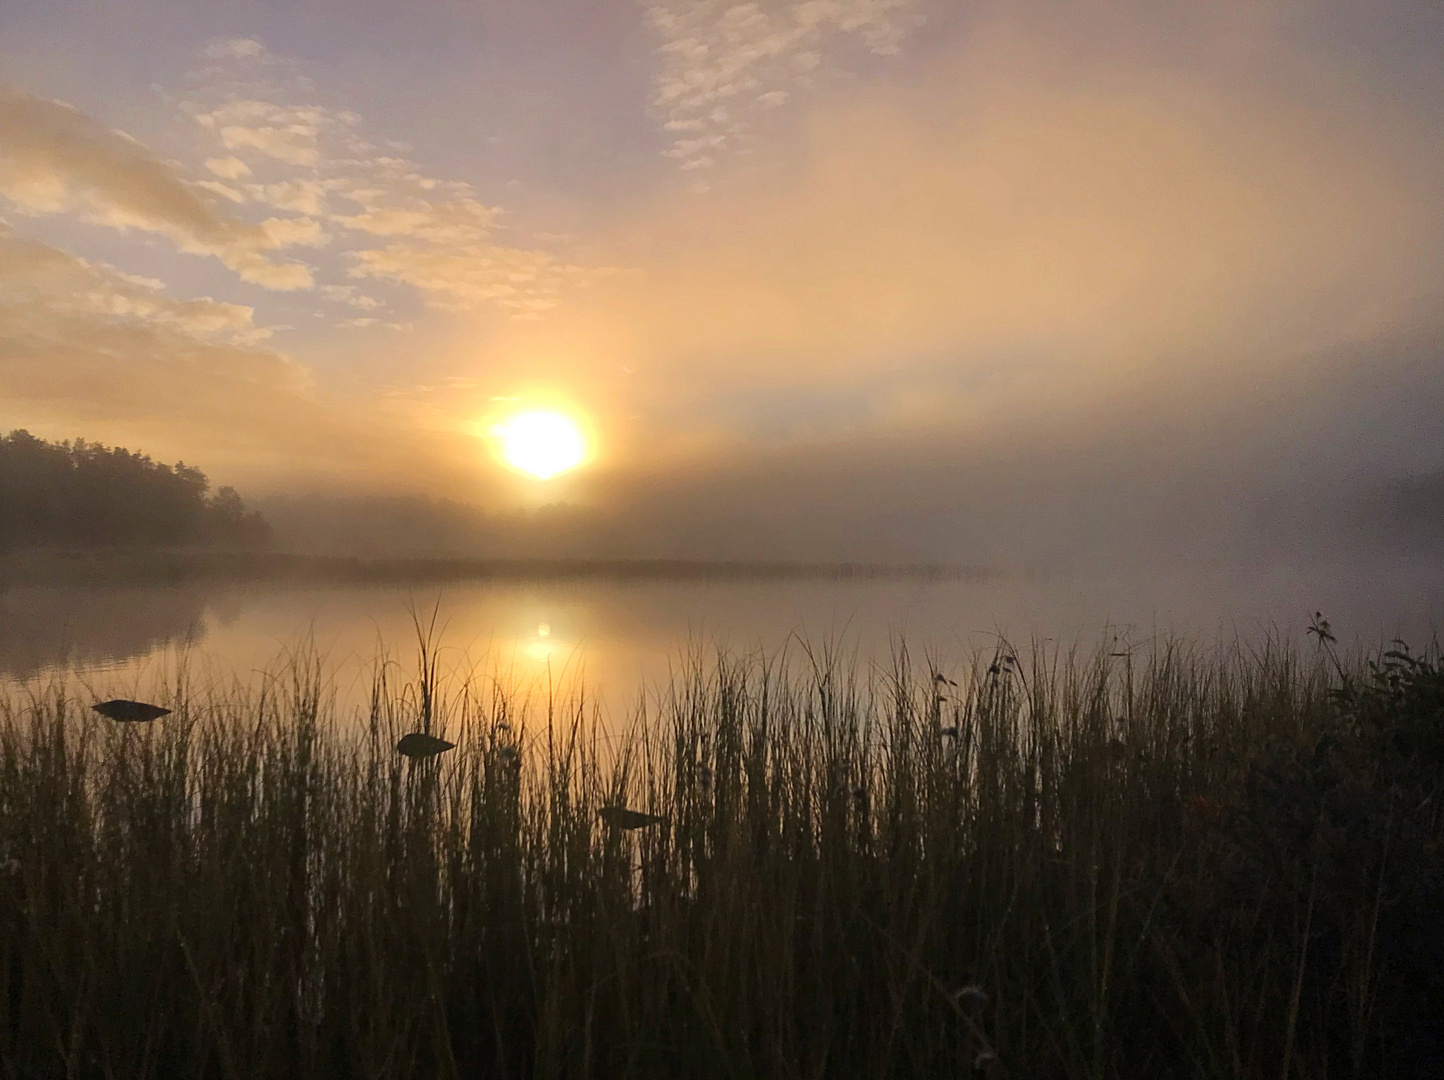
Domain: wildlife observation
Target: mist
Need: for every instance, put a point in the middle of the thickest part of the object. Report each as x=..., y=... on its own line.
x=1075, y=284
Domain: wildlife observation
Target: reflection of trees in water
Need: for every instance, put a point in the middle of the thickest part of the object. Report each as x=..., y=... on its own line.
x=42, y=628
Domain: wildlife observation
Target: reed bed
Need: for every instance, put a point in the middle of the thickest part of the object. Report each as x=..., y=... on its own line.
x=1172, y=863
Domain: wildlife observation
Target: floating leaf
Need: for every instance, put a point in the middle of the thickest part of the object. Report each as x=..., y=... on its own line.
x=619, y=817
x=130, y=712
x=418, y=745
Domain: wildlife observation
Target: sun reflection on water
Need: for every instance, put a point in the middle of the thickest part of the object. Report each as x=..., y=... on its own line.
x=542, y=646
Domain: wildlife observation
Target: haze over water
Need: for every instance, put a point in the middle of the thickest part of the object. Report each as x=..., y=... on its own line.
x=615, y=639
x=1147, y=294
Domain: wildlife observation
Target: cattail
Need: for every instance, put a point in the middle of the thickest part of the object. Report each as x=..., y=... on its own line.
x=704, y=777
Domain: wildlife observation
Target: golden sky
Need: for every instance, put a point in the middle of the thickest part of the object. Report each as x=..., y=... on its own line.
x=823, y=254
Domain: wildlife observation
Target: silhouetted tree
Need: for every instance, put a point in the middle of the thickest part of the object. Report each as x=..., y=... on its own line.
x=85, y=494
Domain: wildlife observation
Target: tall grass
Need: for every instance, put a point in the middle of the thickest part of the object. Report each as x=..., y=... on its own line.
x=1179, y=864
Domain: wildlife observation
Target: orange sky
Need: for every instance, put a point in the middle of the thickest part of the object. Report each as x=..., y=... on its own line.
x=879, y=246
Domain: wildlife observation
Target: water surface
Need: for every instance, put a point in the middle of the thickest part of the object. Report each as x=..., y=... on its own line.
x=614, y=638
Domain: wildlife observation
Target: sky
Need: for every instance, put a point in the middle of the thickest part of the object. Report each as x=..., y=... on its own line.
x=818, y=278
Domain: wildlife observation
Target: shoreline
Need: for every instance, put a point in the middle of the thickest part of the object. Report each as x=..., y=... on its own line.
x=177, y=566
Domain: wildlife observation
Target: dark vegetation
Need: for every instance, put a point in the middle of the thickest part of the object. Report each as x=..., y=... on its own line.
x=84, y=495
x=1148, y=864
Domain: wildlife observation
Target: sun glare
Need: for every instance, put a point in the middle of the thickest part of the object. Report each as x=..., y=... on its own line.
x=542, y=444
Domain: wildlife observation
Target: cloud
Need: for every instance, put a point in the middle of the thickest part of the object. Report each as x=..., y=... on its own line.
x=1021, y=285
x=388, y=216
x=231, y=168
x=289, y=134
x=1022, y=267
x=463, y=277
x=350, y=295
x=54, y=159
x=87, y=350
x=236, y=49
x=723, y=64
x=48, y=286
x=303, y=196
x=82, y=340
x=1022, y=227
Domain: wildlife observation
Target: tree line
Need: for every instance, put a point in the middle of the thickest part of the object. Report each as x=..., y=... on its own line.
x=83, y=494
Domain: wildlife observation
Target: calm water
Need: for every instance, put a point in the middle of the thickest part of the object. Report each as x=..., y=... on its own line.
x=616, y=638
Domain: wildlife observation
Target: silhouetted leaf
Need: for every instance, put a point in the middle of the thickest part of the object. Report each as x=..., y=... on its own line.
x=619, y=817
x=419, y=745
x=130, y=711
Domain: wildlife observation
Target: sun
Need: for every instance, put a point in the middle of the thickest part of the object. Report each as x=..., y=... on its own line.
x=541, y=443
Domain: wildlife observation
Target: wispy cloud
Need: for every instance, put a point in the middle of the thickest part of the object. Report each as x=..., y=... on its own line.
x=44, y=286
x=87, y=349
x=390, y=217
x=350, y=295
x=54, y=159
x=724, y=64
x=1010, y=236
x=86, y=342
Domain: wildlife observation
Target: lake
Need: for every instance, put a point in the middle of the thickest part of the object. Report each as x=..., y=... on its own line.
x=615, y=637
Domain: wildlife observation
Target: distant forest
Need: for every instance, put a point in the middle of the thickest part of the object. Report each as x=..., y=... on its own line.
x=82, y=494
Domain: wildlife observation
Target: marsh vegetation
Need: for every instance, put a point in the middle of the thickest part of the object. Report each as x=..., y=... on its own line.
x=1171, y=862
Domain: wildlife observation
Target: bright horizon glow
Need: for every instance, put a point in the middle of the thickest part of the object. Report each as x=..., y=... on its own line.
x=541, y=443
